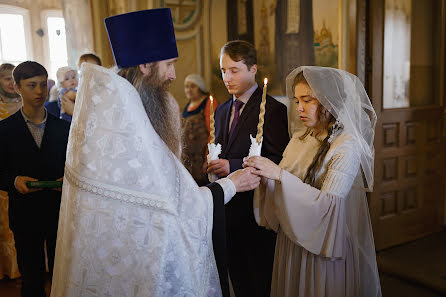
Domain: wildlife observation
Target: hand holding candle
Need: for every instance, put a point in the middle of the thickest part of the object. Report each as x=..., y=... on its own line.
x=262, y=113
x=212, y=122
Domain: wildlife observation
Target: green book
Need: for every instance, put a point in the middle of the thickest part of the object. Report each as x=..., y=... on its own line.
x=44, y=184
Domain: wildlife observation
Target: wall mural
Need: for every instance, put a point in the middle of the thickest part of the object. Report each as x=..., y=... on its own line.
x=291, y=33
x=326, y=33
x=287, y=34
x=184, y=12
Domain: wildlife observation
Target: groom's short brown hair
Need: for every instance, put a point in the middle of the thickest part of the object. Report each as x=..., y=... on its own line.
x=240, y=50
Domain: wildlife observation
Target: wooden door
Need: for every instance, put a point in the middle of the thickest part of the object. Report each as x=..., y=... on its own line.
x=407, y=88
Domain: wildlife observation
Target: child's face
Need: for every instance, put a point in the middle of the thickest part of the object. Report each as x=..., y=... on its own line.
x=70, y=81
x=33, y=90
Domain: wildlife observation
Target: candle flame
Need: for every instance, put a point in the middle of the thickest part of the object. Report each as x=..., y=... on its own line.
x=265, y=81
x=212, y=99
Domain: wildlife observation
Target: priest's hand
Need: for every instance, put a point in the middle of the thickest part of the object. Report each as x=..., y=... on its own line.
x=220, y=167
x=244, y=179
x=264, y=167
x=22, y=188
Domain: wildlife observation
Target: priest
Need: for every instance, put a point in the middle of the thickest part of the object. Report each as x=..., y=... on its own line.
x=132, y=221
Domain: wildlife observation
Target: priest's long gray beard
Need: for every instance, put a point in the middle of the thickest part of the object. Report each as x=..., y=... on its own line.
x=159, y=105
x=161, y=112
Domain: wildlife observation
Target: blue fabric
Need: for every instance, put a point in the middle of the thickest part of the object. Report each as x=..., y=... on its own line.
x=141, y=37
x=197, y=110
x=53, y=108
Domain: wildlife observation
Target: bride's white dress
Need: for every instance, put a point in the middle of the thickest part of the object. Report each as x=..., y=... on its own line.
x=132, y=220
x=324, y=243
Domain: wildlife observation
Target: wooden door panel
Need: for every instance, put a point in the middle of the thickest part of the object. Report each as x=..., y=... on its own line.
x=408, y=213
x=409, y=176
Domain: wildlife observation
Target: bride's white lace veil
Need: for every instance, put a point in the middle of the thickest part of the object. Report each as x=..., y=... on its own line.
x=344, y=96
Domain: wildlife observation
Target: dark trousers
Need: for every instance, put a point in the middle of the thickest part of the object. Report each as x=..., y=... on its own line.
x=31, y=258
x=250, y=251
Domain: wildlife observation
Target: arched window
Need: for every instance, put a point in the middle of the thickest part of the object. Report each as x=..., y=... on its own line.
x=15, y=37
x=55, y=41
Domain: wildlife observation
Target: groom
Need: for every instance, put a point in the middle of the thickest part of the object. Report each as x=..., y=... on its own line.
x=250, y=247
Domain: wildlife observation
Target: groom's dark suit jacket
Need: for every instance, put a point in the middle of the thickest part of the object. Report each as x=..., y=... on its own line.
x=250, y=247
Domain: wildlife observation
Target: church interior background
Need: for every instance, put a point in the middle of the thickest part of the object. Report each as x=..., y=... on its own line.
x=396, y=47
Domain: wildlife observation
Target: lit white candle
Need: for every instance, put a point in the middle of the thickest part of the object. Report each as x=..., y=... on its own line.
x=212, y=122
x=262, y=113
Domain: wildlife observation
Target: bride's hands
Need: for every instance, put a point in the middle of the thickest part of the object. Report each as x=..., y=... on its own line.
x=265, y=167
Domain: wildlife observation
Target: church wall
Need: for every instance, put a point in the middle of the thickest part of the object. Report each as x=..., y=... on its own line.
x=192, y=34
x=219, y=36
x=341, y=17
x=264, y=32
x=100, y=9
x=190, y=60
x=78, y=25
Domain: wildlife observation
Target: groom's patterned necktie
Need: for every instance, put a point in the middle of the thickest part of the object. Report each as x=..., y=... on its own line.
x=238, y=106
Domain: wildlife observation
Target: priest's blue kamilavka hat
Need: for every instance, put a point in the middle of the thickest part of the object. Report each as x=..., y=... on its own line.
x=142, y=37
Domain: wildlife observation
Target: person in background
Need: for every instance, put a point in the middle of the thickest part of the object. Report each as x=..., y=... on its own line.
x=51, y=105
x=66, y=103
x=89, y=58
x=10, y=103
x=51, y=84
x=35, y=151
x=67, y=81
x=195, y=126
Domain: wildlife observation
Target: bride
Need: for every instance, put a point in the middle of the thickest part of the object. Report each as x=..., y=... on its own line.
x=315, y=199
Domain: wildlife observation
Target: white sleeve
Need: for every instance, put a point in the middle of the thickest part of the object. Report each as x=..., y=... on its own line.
x=313, y=218
x=228, y=188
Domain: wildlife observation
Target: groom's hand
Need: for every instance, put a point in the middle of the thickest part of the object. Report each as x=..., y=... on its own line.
x=220, y=167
